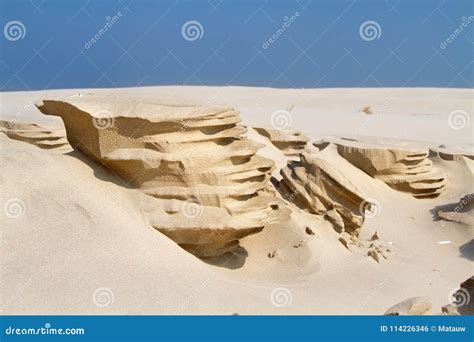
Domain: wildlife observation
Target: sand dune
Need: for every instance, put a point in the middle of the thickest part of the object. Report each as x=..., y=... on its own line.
x=322, y=186
x=196, y=157
x=292, y=142
x=94, y=230
x=400, y=164
x=461, y=211
x=46, y=138
x=453, y=153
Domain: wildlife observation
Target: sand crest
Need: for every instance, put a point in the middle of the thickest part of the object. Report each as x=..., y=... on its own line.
x=291, y=141
x=43, y=137
x=77, y=223
x=320, y=186
x=196, y=157
x=402, y=165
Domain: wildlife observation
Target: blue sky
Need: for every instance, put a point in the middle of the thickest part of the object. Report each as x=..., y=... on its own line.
x=322, y=44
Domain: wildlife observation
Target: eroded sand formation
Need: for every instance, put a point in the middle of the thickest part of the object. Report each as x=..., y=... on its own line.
x=320, y=185
x=292, y=142
x=461, y=212
x=71, y=215
x=453, y=152
x=197, y=159
x=43, y=137
x=404, y=166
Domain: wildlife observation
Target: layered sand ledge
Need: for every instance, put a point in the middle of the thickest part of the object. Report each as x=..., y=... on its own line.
x=195, y=157
x=290, y=219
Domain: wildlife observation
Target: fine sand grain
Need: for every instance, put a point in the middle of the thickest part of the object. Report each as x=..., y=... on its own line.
x=78, y=237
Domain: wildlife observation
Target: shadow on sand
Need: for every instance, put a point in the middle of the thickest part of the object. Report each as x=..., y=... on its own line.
x=231, y=261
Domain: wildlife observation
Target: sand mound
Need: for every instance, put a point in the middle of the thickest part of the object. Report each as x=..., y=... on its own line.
x=403, y=165
x=320, y=184
x=292, y=142
x=46, y=138
x=412, y=306
x=453, y=152
x=197, y=158
x=461, y=212
x=70, y=228
x=460, y=299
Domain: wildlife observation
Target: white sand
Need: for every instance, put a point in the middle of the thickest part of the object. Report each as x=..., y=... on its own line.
x=82, y=230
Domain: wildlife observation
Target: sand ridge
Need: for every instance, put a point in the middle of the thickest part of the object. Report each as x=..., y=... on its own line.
x=194, y=156
x=400, y=164
x=107, y=240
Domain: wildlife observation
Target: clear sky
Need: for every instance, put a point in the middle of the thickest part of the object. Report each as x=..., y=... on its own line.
x=289, y=44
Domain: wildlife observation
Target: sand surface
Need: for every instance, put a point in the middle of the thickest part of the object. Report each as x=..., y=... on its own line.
x=82, y=246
